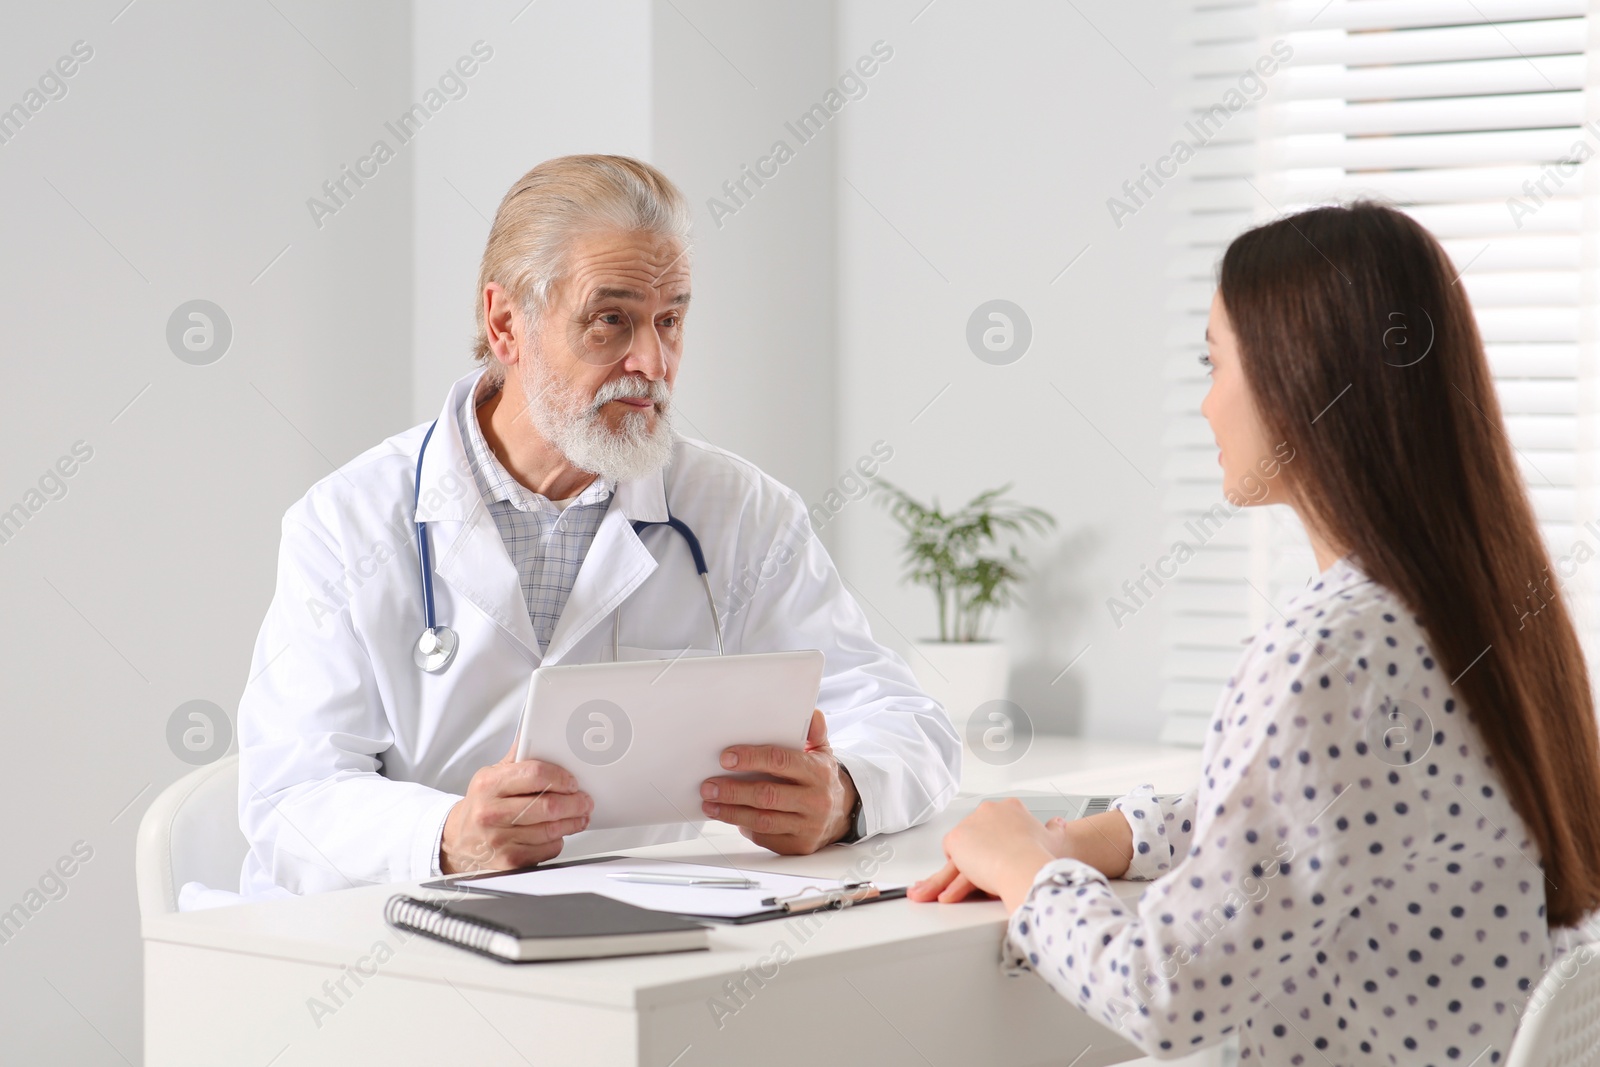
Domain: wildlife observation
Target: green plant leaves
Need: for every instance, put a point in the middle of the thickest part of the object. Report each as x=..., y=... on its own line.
x=958, y=556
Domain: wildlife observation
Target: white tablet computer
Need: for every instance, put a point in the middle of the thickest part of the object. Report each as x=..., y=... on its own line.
x=641, y=736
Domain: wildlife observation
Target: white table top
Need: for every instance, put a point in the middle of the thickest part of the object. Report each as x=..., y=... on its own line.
x=342, y=927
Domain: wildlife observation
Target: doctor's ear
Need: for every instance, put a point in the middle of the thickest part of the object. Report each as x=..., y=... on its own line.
x=504, y=325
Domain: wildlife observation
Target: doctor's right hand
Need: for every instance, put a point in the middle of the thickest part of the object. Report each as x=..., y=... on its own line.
x=516, y=812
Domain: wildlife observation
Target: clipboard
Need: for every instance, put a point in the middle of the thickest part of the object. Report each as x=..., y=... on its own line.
x=849, y=895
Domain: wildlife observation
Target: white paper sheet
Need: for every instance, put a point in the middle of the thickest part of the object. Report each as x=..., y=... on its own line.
x=678, y=899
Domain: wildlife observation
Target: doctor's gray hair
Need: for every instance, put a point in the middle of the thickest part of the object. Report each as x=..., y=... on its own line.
x=557, y=201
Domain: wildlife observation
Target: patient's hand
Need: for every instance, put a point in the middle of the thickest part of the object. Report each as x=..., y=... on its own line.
x=1000, y=847
x=808, y=809
x=516, y=812
x=996, y=850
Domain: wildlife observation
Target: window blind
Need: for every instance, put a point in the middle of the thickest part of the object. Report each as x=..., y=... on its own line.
x=1474, y=116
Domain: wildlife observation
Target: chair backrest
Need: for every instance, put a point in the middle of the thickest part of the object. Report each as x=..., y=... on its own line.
x=1561, y=1027
x=191, y=834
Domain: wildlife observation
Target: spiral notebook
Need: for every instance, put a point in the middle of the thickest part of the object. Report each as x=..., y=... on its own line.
x=565, y=926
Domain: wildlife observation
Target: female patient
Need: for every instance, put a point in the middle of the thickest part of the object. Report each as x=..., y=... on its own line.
x=1399, y=802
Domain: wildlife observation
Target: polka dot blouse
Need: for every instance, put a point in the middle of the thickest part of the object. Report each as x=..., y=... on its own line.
x=1348, y=883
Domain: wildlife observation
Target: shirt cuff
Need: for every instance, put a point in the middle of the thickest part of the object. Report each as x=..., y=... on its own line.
x=861, y=777
x=1152, y=851
x=1064, y=872
x=1015, y=951
x=430, y=838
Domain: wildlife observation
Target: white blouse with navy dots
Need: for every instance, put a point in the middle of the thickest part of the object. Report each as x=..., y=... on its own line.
x=1347, y=884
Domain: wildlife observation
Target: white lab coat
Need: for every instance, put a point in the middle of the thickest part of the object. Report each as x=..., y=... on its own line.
x=351, y=756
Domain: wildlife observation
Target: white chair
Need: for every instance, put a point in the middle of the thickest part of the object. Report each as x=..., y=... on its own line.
x=1562, y=1025
x=190, y=834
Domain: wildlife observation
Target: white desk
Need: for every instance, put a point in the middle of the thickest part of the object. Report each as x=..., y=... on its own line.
x=889, y=983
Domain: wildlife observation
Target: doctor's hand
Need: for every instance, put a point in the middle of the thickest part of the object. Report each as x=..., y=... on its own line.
x=516, y=812
x=809, y=808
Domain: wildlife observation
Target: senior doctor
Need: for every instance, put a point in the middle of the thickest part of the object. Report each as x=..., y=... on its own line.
x=358, y=766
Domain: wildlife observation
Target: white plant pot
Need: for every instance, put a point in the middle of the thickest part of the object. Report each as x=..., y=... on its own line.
x=961, y=675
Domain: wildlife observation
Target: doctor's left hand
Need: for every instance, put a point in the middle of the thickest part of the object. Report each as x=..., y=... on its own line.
x=808, y=809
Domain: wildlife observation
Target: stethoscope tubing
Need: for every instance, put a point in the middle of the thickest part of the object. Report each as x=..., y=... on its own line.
x=700, y=568
x=437, y=646
x=424, y=555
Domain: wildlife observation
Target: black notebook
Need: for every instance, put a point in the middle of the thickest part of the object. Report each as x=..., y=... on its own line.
x=562, y=926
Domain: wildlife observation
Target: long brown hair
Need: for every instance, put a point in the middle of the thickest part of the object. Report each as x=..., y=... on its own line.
x=1361, y=351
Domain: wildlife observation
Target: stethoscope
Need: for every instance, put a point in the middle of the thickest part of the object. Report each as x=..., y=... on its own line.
x=437, y=645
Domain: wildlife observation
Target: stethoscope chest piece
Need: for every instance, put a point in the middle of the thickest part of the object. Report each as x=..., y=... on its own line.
x=435, y=648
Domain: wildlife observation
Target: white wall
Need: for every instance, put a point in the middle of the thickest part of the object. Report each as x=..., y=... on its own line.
x=176, y=167
x=759, y=371
x=976, y=169
x=564, y=78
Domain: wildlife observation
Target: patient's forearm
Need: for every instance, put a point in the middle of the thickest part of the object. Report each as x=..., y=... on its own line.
x=1104, y=842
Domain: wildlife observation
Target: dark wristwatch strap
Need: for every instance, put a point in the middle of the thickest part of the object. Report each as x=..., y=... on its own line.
x=853, y=834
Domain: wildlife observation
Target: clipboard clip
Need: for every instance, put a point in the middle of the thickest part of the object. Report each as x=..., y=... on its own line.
x=813, y=899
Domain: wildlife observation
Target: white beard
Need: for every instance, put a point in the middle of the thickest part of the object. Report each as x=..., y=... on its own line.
x=574, y=426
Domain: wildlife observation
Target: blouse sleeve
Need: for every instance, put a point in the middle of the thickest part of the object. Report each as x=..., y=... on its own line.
x=1173, y=972
x=1162, y=829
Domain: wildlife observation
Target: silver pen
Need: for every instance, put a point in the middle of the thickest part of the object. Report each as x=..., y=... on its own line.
x=707, y=880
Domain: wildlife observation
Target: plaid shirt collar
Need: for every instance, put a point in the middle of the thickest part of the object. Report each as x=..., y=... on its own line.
x=495, y=483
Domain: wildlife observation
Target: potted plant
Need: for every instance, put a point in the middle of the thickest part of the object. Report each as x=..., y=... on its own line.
x=960, y=557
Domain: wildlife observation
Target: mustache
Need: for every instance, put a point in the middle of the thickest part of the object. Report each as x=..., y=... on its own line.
x=632, y=386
